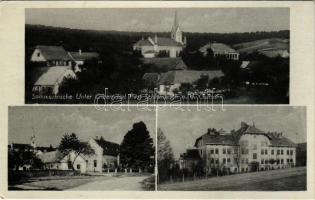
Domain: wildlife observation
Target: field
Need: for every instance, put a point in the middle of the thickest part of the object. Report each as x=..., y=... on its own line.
x=293, y=179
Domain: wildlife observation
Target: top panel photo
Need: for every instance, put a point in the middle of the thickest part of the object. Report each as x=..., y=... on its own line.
x=157, y=55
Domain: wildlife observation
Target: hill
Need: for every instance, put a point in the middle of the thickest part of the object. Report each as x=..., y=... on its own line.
x=272, y=43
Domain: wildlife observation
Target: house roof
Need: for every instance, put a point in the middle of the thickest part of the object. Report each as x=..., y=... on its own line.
x=219, y=48
x=51, y=157
x=54, y=53
x=187, y=76
x=50, y=75
x=160, y=41
x=109, y=148
x=165, y=64
x=233, y=138
x=84, y=56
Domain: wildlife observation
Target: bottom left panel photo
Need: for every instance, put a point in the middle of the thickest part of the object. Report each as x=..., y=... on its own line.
x=81, y=148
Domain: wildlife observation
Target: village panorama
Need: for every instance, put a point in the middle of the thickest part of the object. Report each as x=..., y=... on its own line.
x=72, y=65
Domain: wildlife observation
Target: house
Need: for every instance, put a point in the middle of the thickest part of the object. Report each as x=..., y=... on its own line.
x=82, y=57
x=47, y=80
x=162, y=46
x=189, y=159
x=244, y=150
x=163, y=64
x=106, y=155
x=172, y=80
x=220, y=49
x=51, y=56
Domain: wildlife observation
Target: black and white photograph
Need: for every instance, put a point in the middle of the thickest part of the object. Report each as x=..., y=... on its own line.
x=256, y=148
x=80, y=149
x=157, y=55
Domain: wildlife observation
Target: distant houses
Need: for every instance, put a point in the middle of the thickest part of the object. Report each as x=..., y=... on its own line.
x=106, y=156
x=168, y=82
x=162, y=46
x=220, y=49
x=53, y=65
x=247, y=149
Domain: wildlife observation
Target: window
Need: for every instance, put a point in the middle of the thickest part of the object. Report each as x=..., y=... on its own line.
x=242, y=151
x=78, y=166
x=95, y=163
x=224, y=160
x=235, y=151
x=281, y=161
x=216, y=161
x=224, y=151
x=235, y=160
x=262, y=152
x=246, y=160
x=212, y=161
x=242, y=161
x=254, y=155
x=87, y=161
x=228, y=160
x=262, y=161
x=216, y=151
x=288, y=160
x=291, y=152
x=211, y=151
x=281, y=151
x=228, y=151
x=266, y=151
x=278, y=152
x=38, y=54
x=272, y=152
x=288, y=153
x=242, y=169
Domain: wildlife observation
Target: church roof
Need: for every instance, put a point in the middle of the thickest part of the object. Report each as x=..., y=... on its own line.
x=54, y=53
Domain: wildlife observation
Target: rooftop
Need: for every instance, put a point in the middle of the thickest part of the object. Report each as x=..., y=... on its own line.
x=54, y=53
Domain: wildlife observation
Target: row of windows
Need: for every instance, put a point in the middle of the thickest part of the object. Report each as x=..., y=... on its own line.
x=278, y=161
x=246, y=151
x=224, y=151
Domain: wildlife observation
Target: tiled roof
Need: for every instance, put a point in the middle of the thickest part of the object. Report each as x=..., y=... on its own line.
x=187, y=76
x=84, y=56
x=109, y=148
x=219, y=48
x=281, y=141
x=165, y=64
x=54, y=53
x=218, y=139
x=143, y=42
x=51, y=75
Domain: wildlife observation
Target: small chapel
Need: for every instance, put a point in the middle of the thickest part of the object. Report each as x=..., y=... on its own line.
x=162, y=46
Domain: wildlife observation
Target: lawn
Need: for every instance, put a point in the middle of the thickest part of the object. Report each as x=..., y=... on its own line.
x=276, y=180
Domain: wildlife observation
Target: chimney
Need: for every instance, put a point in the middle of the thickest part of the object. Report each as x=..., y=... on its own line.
x=155, y=39
x=80, y=51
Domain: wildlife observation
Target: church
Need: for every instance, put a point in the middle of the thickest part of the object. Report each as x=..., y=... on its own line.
x=162, y=46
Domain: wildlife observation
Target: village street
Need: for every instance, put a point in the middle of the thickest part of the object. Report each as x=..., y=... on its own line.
x=112, y=184
x=280, y=180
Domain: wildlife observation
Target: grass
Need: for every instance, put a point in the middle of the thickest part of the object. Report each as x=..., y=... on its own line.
x=276, y=180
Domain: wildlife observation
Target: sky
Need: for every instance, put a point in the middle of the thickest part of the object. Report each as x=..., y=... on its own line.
x=182, y=128
x=219, y=20
x=50, y=123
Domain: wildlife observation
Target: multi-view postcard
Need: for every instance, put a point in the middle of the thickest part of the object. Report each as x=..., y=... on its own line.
x=157, y=55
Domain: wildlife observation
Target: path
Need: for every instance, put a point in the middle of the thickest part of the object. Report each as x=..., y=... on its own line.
x=112, y=184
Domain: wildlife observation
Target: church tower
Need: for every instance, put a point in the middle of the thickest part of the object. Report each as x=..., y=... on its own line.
x=176, y=33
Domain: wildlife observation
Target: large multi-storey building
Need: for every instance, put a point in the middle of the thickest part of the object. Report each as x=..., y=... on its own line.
x=244, y=150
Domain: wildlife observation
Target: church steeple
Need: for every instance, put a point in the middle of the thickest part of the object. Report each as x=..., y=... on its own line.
x=176, y=33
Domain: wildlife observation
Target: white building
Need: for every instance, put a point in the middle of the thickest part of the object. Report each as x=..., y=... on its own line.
x=169, y=47
x=247, y=149
x=220, y=49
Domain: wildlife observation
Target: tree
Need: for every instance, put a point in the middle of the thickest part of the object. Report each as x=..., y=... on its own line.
x=136, y=149
x=71, y=144
x=21, y=158
x=165, y=156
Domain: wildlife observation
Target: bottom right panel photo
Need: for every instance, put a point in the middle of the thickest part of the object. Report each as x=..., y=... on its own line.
x=238, y=148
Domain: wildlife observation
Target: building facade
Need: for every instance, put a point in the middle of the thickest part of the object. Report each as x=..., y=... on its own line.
x=247, y=149
x=162, y=46
x=219, y=49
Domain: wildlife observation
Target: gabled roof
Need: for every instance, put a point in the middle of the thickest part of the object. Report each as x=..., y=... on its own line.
x=84, y=56
x=214, y=139
x=143, y=42
x=51, y=157
x=51, y=75
x=281, y=141
x=54, y=53
x=187, y=76
x=165, y=64
x=109, y=148
x=219, y=48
